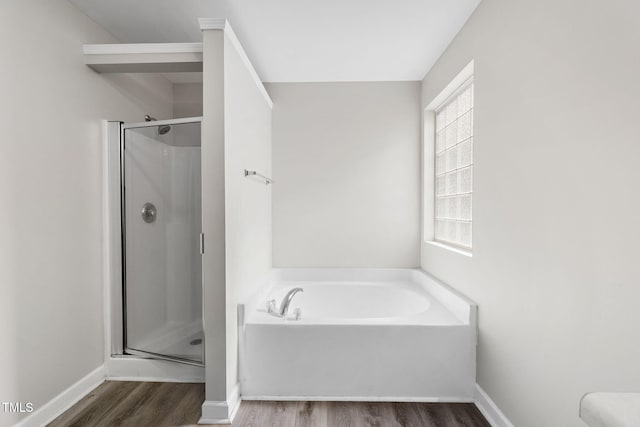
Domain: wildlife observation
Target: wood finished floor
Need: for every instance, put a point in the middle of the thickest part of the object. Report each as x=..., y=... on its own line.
x=154, y=404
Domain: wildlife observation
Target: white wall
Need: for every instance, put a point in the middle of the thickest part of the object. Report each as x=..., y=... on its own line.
x=554, y=267
x=346, y=165
x=50, y=192
x=247, y=145
x=187, y=100
x=236, y=135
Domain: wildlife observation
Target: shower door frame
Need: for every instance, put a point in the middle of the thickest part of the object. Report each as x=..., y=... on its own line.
x=119, y=347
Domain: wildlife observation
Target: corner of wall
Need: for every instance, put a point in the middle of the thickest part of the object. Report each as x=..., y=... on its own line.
x=490, y=410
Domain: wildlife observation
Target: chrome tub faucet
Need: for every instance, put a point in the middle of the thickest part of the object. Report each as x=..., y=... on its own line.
x=284, y=307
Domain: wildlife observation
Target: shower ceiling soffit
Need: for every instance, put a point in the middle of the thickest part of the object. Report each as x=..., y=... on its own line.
x=170, y=58
x=144, y=57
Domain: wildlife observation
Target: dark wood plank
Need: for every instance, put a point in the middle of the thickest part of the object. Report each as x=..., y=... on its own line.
x=410, y=415
x=266, y=414
x=129, y=404
x=343, y=414
x=192, y=404
x=361, y=414
x=65, y=418
x=125, y=404
x=452, y=415
x=379, y=414
x=125, y=412
x=180, y=405
x=104, y=401
x=311, y=414
x=436, y=415
x=466, y=415
x=157, y=404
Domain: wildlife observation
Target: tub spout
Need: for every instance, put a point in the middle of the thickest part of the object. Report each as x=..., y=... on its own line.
x=284, y=307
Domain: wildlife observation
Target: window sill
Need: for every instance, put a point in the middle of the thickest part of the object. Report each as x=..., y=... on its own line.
x=450, y=248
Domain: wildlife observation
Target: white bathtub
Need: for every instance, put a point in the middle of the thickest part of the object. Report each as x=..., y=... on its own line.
x=364, y=334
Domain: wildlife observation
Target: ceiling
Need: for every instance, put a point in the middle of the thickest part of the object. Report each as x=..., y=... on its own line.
x=303, y=40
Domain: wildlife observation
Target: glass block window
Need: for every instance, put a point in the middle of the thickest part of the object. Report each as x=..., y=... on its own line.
x=454, y=168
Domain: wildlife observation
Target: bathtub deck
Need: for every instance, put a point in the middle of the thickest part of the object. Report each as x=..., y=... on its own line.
x=127, y=403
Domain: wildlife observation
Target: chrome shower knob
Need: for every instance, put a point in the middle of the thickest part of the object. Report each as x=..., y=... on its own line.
x=148, y=213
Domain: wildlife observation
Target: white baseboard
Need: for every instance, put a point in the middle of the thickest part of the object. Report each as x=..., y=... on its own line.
x=234, y=401
x=221, y=412
x=215, y=412
x=65, y=400
x=490, y=410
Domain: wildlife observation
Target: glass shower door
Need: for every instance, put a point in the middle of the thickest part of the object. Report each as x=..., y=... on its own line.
x=162, y=222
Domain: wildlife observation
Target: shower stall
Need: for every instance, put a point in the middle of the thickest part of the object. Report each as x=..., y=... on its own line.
x=154, y=190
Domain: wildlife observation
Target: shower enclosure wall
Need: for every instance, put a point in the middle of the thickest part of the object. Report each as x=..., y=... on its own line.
x=155, y=224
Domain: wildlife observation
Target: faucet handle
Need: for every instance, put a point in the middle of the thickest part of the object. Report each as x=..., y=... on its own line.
x=271, y=306
x=297, y=314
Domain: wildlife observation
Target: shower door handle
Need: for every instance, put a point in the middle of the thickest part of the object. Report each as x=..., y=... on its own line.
x=201, y=243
